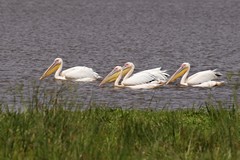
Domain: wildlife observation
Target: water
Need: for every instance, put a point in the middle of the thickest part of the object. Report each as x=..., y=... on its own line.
x=105, y=33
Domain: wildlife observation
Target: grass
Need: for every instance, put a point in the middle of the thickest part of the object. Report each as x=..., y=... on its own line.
x=104, y=133
x=45, y=129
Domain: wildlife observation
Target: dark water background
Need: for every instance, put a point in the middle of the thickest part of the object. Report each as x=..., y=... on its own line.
x=104, y=33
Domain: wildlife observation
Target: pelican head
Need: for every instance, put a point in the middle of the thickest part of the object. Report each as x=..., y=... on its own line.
x=180, y=72
x=53, y=68
x=127, y=66
x=112, y=76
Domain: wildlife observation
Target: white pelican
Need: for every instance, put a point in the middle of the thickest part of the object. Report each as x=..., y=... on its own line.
x=118, y=70
x=155, y=75
x=78, y=73
x=200, y=79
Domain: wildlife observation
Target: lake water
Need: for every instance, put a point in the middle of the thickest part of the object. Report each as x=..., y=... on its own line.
x=105, y=33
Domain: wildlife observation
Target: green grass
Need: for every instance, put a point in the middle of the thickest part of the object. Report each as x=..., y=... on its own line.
x=104, y=133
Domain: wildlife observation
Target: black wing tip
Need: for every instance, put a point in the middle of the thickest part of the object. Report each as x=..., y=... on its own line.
x=218, y=74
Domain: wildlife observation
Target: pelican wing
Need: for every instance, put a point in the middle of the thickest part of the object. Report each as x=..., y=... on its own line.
x=80, y=73
x=157, y=72
x=203, y=76
x=148, y=76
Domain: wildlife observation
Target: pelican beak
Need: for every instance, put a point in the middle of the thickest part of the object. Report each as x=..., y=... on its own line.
x=112, y=76
x=50, y=70
x=177, y=74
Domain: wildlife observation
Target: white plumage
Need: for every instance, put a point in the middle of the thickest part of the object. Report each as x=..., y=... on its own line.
x=78, y=73
x=155, y=75
x=136, y=86
x=147, y=79
x=200, y=79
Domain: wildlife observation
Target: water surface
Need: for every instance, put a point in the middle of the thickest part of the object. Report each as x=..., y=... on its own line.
x=105, y=33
